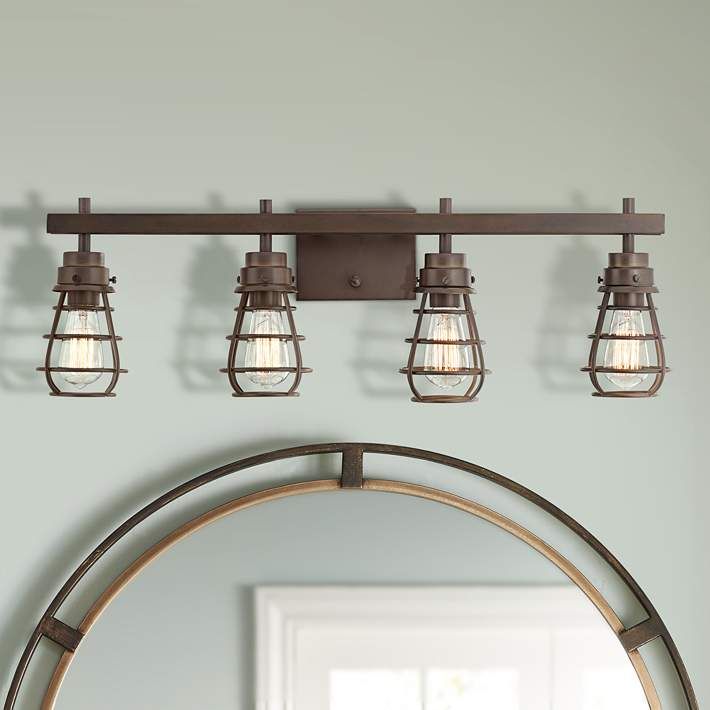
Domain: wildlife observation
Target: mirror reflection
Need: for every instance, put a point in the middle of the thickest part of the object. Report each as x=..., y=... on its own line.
x=352, y=600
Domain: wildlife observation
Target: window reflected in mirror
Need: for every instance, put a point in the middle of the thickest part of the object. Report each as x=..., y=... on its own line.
x=439, y=648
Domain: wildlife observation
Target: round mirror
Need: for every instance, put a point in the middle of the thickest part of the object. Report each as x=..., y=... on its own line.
x=346, y=600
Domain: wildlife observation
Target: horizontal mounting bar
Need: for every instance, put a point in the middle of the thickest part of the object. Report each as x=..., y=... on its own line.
x=358, y=223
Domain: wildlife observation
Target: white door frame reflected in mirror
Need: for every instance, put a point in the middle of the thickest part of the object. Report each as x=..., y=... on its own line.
x=438, y=648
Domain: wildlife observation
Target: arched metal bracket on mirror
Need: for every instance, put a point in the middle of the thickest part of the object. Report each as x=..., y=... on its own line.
x=351, y=477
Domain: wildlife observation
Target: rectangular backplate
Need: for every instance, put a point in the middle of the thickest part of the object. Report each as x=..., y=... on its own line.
x=345, y=267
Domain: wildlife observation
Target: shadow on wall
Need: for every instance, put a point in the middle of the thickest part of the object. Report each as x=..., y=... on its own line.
x=26, y=309
x=208, y=302
x=207, y=311
x=208, y=316
x=569, y=314
x=379, y=349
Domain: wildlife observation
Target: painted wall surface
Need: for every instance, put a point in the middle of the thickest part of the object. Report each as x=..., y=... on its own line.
x=195, y=106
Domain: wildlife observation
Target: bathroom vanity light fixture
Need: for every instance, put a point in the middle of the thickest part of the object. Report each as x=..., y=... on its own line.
x=269, y=361
x=627, y=328
x=446, y=349
x=75, y=363
x=354, y=254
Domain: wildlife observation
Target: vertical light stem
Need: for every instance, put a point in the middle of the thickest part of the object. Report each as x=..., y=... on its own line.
x=84, y=239
x=265, y=239
x=629, y=207
x=445, y=239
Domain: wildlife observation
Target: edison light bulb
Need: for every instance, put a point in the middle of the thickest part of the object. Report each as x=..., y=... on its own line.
x=442, y=357
x=267, y=352
x=81, y=352
x=626, y=354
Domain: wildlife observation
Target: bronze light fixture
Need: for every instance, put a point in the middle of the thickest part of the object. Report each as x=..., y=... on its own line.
x=452, y=351
x=365, y=255
x=627, y=344
x=83, y=285
x=270, y=363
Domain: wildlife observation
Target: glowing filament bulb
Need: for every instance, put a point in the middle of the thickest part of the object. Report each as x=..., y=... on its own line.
x=444, y=357
x=626, y=354
x=267, y=352
x=81, y=352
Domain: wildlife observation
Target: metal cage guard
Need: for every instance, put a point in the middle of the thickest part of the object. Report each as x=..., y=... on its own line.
x=627, y=286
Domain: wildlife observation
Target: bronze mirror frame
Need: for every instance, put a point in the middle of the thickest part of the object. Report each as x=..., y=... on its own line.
x=351, y=478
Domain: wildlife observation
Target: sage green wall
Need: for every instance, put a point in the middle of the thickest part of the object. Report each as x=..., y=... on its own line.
x=187, y=105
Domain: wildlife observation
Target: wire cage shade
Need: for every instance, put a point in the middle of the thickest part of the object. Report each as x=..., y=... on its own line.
x=275, y=364
x=627, y=357
x=465, y=366
x=78, y=343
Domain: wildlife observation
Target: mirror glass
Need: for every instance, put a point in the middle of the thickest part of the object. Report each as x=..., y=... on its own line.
x=346, y=601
